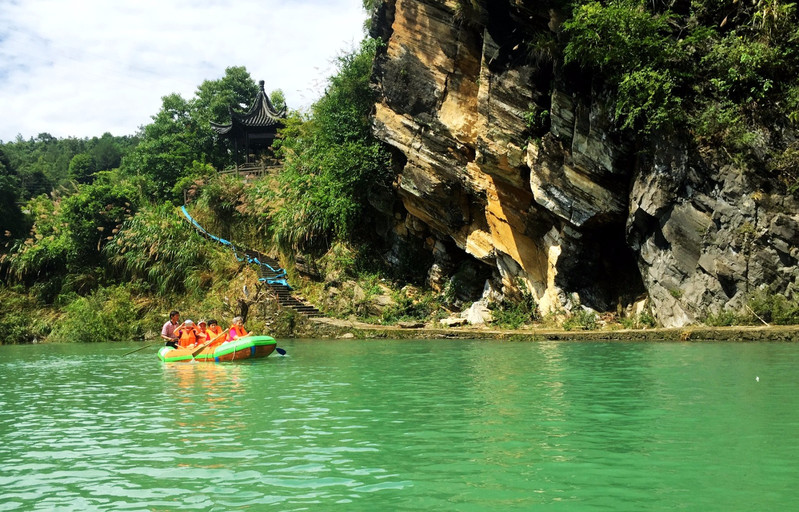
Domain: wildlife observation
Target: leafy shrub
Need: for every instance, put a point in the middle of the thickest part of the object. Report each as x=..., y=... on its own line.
x=12, y=221
x=82, y=167
x=104, y=315
x=537, y=120
x=222, y=195
x=513, y=314
x=92, y=215
x=68, y=234
x=647, y=101
x=632, y=47
x=406, y=308
x=583, y=319
x=785, y=165
x=774, y=308
x=23, y=327
x=286, y=323
x=724, y=318
x=21, y=317
x=741, y=69
x=723, y=83
x=618, y=36
x=46, y=250
x=646, y=319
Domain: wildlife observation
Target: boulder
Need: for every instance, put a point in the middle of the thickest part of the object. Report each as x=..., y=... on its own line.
x=477, y=314
x=410, y=325
x=453, y=321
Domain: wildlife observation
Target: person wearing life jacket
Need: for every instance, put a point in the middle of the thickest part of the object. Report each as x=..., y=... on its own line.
x=236, y=330
x=202, y=329
x=214, y=331
x=187, y=334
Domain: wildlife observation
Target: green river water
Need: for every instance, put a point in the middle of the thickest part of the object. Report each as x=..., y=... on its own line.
x=403, y=425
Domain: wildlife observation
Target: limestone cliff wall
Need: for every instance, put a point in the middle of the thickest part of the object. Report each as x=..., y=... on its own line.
x=507, y=159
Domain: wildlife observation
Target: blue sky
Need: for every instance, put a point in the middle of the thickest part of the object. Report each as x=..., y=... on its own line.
x=82, y=68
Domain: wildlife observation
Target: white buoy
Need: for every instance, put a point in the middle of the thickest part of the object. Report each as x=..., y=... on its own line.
x=757, y=379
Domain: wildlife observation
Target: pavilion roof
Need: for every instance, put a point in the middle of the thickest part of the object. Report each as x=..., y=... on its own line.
x=262, y=114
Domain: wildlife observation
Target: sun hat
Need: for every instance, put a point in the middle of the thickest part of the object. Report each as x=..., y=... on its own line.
x=188, y=322
x=202, y=322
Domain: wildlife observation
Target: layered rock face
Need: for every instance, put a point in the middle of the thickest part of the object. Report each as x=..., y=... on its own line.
x=510, y=160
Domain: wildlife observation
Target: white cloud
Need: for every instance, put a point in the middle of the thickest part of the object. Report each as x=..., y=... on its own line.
x=84, y=68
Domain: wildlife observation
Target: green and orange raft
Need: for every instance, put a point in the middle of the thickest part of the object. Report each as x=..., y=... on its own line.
x=248, y=347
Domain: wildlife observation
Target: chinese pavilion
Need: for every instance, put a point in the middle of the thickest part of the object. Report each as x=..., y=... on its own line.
x=254, y=131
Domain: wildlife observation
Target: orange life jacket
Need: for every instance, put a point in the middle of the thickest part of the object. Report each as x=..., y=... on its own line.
x=187, y=338
x=203, y=336
x=214, y=331
x=236, y=332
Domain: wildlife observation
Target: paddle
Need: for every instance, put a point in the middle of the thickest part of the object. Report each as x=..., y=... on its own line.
x=277, y=349
x=202, y=347
x=140, y=348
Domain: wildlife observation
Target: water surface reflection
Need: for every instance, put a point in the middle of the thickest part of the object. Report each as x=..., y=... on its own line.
x=402, y=425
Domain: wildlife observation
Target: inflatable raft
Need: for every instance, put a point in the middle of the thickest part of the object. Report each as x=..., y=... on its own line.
x=248, y=347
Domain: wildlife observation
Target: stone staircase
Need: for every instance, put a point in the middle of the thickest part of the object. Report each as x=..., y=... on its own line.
x=274, y=278
x=269, y=273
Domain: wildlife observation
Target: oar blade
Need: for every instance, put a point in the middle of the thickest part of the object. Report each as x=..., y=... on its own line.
x=280, y=351
x=138, y=349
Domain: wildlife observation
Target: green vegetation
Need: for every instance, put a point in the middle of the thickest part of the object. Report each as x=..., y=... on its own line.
x=719, y=71
x=89, y=226
x=763, y=306
x=181, y=134
x=644, y=320
x=42, y=164
x=410, y=307
x=155, y=248
x=106, y=314
x=582, y=319
x=774, y=308
x=516, y=313
x=331, y=161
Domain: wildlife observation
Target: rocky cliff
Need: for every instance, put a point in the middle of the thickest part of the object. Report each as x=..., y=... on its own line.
x=508, y=158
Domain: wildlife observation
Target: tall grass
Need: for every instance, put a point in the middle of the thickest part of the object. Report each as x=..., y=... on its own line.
x=159, y=248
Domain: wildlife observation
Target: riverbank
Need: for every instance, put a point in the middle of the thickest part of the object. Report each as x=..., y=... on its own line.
x=336, y=328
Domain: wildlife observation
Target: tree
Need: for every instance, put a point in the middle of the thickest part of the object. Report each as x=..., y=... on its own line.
x=214, y=98
x=82, y=168
x=278, y=99
x=167, y=146
x=106, y=152
x=181, y=133
x=213, y=102
x=331, y=160
x=92, y=215
x=11, y=218
x=156, y=247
